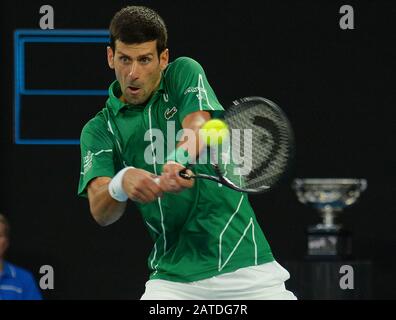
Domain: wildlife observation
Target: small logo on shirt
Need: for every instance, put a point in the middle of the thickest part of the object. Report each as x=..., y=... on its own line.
x=170, y=112
x=88, y=161
x=191, y=90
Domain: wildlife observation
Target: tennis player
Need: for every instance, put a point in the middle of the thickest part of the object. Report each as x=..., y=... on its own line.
x=207, y=241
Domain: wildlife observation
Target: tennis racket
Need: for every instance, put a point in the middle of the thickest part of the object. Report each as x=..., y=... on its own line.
x=259, y=151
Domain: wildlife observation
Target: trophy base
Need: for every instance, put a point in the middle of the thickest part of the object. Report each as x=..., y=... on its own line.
x=328, y=242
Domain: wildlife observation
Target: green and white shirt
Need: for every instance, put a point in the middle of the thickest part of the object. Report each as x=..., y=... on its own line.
x=201, y=232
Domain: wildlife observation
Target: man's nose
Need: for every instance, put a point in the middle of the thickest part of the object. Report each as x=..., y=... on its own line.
x=134, y=71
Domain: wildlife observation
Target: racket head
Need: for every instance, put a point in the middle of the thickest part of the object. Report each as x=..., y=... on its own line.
x=260, y=149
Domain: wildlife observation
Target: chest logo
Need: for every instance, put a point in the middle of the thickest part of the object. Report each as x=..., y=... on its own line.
x=170, y=112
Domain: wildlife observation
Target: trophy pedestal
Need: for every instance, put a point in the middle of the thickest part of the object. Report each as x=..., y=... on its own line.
x=329, y=197
x=325, y=242
x=320, y=280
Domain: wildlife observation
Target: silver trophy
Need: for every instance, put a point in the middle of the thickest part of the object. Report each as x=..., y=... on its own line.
x=329, y=197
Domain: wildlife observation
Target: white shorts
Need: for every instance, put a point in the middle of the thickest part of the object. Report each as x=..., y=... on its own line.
x=262, y=282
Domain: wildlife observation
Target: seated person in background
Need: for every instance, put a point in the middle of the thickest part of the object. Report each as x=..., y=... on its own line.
x=15, y=283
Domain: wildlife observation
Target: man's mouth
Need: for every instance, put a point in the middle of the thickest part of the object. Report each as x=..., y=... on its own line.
x=133, y=90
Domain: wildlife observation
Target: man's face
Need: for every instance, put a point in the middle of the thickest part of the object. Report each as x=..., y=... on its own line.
x=3, y=240
x=138, y=69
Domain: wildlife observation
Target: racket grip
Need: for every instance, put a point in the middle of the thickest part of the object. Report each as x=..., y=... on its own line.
x=157, y=180
x=184, y=174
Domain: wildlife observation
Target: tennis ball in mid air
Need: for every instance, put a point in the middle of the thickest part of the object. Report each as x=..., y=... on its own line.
x=214, y=131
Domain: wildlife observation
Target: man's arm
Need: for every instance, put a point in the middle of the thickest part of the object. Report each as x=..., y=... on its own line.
x=194, y=121
x=139, y=185
x=104, y=208
x=170, y=179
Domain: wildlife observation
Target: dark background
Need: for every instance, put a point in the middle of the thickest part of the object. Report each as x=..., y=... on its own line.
x=336, y=86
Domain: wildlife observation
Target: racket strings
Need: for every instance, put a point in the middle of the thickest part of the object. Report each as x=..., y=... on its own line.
x=263, y=142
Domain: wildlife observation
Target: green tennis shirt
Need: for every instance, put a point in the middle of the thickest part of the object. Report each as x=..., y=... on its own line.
x=201, y=232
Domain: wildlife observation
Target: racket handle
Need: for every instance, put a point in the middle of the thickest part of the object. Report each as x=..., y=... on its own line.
x=157, y=180
x=184, y=174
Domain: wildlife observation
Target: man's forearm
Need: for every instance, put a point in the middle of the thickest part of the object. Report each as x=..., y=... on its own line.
x=104, y=208
x=194, y=122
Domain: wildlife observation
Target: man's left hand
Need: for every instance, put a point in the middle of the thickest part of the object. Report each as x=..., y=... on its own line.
x=170, y=180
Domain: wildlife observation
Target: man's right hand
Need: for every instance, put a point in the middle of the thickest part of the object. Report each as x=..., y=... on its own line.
x=140, y=186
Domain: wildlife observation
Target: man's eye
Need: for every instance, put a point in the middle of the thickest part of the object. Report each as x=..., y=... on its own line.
x=145, y=60
x=124, y=59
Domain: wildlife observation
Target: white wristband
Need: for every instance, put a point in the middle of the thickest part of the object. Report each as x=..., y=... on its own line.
x=115, y=186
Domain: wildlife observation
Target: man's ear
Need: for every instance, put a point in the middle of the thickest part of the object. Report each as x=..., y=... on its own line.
x=164, y=59
x=110, y=57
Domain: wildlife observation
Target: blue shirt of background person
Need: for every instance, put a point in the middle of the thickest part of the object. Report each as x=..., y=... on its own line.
x=15, y=283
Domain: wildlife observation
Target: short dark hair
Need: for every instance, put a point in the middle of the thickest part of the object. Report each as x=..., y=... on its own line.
x=4, y=221
x=138, y=24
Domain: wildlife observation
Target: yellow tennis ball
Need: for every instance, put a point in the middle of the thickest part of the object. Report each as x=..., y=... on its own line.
x=214, y=132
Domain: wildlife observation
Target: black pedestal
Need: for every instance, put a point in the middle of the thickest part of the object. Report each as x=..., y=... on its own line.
x=320, y=280
x=325, y=243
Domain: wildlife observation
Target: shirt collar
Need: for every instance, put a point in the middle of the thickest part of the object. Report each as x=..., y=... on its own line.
x=8, y=270
x=114, y=102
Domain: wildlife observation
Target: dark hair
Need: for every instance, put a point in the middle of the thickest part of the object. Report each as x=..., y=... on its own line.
x=4, y=221
x=138, y=24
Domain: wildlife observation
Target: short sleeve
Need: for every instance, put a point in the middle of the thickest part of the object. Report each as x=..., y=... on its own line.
x=188, y=83
x=97, y=158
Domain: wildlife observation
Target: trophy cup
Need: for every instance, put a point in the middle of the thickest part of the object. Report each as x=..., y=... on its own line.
x=329, y=197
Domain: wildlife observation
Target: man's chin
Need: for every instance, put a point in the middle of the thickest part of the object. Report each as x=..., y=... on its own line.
x=135, y=100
